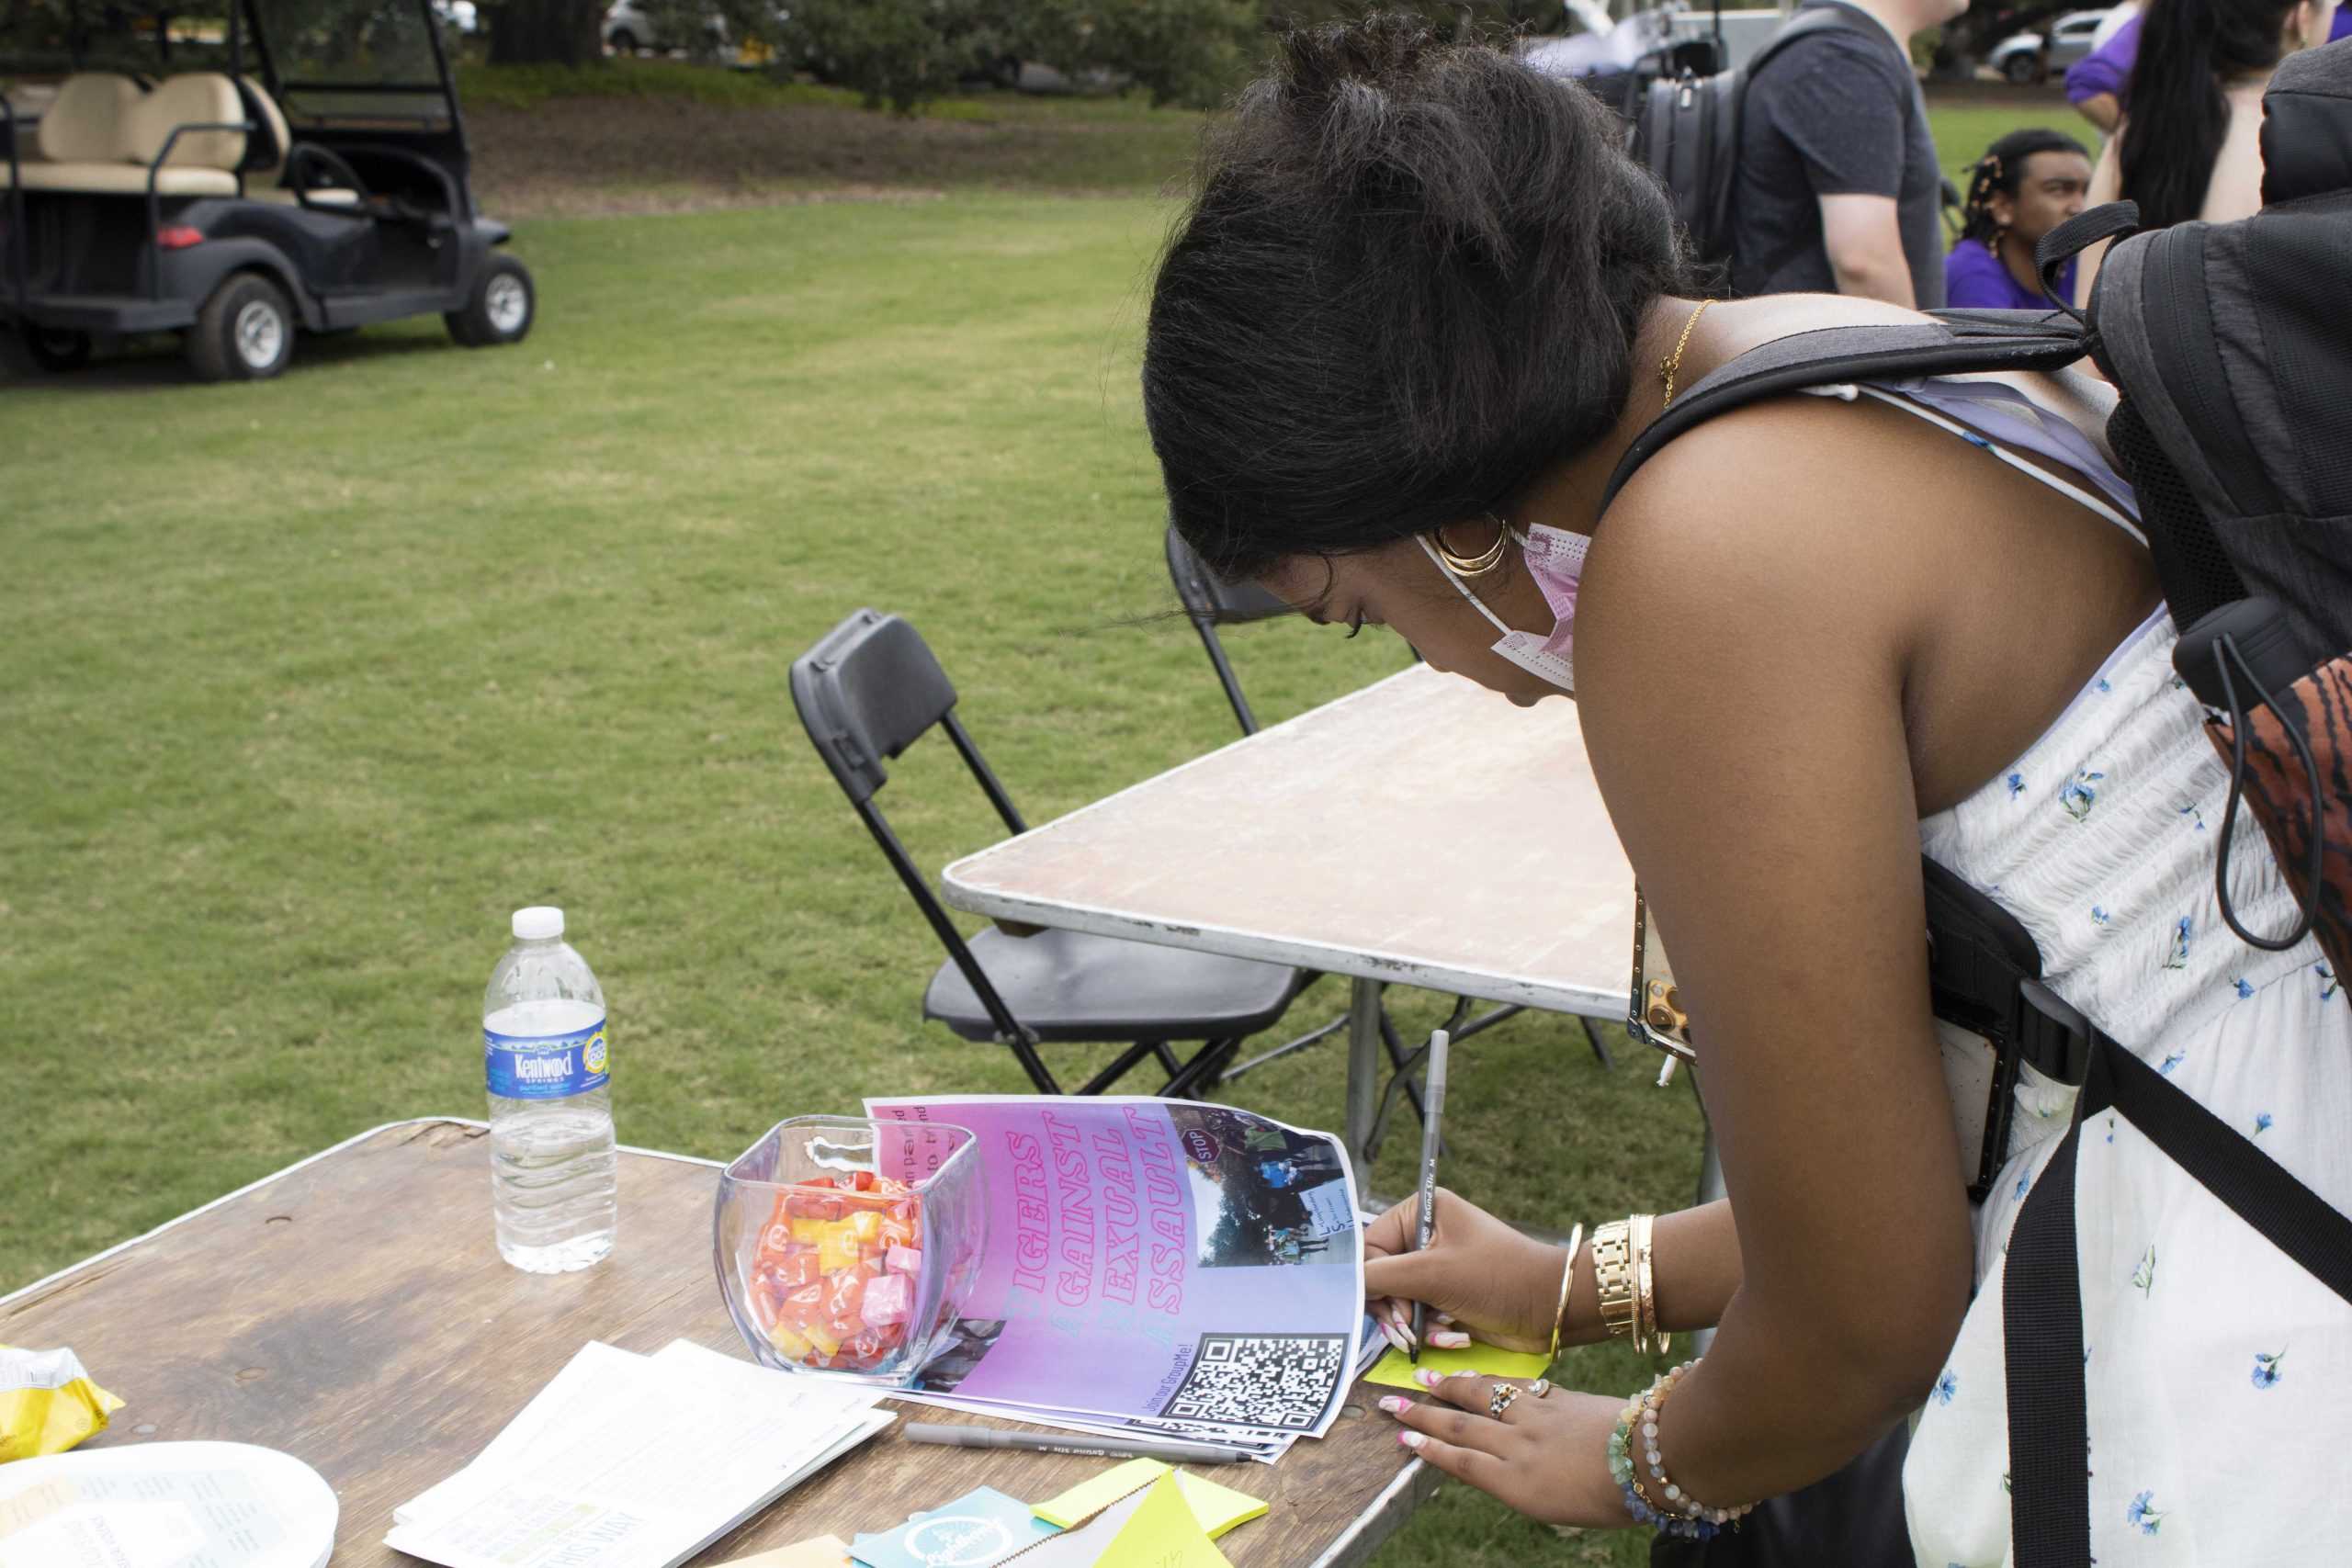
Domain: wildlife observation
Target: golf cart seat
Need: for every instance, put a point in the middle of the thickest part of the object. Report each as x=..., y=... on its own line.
x=265, y=158
x=102, y=134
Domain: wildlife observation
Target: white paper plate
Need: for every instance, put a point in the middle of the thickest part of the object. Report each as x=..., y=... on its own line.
x=165, y=1505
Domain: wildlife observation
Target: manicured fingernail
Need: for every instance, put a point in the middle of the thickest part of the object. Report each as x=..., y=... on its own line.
x=1411, y=1439
x=1425, y=1378
x=1389, y=1332
x=1449, y=1339
x=1393, y=1403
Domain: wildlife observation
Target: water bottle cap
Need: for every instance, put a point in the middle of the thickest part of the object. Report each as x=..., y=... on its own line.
x=538, y=922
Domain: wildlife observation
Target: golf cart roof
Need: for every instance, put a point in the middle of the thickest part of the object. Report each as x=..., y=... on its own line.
x=326, y=61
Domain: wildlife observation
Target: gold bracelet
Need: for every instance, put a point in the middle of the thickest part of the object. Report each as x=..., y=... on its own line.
x=1567, y=1278
x=1612, y=1278
x=1645, y=1289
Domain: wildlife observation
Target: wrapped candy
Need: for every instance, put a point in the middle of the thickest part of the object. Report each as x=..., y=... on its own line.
x=48, y=1402
x=836, y=1269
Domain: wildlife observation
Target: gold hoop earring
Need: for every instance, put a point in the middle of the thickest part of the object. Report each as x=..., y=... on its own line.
x=1471, y=566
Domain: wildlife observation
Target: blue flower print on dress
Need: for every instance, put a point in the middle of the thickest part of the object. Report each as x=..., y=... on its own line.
x=2245, y=987
x=2079, y=794
x=2171, y=1061
x=2104, y=685
x=2099, y=917
x=2141, y=1514
x=2144, y=1278
x=2194, y=815
x=1946, y=1386
x=2266, y=1368
x=2326, y=980
x=2111, y=1129
x=2024, y=1184
x=2017, y=785
x=2178, y=957
x=2261, y=1123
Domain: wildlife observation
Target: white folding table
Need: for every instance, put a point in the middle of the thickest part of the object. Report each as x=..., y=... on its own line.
x=1421, y=832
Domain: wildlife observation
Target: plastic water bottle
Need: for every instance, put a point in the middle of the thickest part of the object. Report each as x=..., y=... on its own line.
x=552, y=1170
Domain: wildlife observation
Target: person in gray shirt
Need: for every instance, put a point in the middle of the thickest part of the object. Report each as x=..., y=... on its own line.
x=1837, y=189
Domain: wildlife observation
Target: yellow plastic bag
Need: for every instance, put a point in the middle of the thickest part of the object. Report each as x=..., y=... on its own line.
x=48, y=1402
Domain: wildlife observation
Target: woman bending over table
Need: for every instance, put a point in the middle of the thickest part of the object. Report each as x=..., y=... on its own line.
x=1419, y=304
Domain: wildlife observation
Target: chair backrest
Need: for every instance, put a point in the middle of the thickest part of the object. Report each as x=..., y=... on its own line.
x=1208, y=604
x=866, y=692
x=869, y=690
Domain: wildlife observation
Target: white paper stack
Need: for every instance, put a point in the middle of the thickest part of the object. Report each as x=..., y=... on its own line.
x=635, y=1462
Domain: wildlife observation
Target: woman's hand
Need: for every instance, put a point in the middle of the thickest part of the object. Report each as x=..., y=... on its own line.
x=1547, y=1457
x=1478, y=1273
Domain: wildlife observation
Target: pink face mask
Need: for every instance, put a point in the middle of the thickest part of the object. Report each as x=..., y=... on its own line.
x=1554, y=560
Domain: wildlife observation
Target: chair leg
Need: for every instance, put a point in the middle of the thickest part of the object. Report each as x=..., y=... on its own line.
x=1599, y=1050
x=1487, y=1021
x=1200, y=1075
x=1026, y=1054
x=1286, y=1048
x=1167, y=1059
x=1117, y=1069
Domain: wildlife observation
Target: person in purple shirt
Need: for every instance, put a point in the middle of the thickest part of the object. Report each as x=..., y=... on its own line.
x=2098, y=84
x=2025, y=185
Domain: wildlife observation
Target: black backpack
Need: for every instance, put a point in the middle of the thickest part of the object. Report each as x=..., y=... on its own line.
x=1686, y=131
x=2231, y=345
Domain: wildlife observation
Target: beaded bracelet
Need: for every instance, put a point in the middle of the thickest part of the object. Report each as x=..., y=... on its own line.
x=1679, y=1514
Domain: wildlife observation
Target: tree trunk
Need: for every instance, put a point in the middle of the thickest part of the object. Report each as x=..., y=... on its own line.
x=545, y=32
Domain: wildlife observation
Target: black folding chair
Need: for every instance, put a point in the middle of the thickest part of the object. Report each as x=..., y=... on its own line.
x=868, y=691
x=1209, y=603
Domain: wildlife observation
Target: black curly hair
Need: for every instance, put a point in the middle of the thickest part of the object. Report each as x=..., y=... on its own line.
x=1999, y=172
x=1409, y=278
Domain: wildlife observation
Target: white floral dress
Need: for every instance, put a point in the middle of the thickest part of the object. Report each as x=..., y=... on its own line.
x=2219, y=1372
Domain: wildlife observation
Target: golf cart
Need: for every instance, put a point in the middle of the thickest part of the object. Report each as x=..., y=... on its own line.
x=239, y=174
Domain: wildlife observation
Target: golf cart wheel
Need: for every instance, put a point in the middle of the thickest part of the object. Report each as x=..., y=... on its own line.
x=502, y=309
x=624, y=42
x=53, y=349
x=245, y=332
x=2022, y=70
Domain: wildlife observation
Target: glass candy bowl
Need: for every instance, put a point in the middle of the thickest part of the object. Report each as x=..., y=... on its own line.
x=848, y=1246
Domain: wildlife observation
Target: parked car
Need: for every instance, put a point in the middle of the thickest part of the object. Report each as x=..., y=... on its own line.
x=2022, y=58
x=628, y=28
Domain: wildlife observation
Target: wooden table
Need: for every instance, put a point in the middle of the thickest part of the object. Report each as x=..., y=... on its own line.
x=353, y=1311
x=1421, y=832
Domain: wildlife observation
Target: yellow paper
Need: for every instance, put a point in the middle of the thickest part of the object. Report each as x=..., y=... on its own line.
x=1218, y=1509
x=817, y=1551
x=1162, y=1533
x=1088, y=1498
x=48, y=1402
x=1396, y=1371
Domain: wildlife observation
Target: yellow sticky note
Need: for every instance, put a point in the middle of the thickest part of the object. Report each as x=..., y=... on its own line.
x=1396, y=1371
x=1162, y=1533
x=818, y=1552
x=1088, y=1498
x=1218, y=1509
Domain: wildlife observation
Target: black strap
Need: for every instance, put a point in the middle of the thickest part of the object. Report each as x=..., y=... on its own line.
x=1954, y=344
x=2041, y=1299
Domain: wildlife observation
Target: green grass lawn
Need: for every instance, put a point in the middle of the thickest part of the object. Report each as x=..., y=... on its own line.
x=309, y=683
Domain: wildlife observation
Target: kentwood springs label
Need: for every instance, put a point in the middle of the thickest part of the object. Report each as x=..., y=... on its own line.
x=546, y=1066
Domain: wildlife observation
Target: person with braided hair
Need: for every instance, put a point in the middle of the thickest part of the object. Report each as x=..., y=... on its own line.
x=2027, y=183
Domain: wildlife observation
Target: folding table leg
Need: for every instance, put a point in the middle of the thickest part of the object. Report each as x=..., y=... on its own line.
x=1364, y=1066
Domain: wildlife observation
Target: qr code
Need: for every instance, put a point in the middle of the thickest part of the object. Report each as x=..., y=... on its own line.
x=1279, y=1381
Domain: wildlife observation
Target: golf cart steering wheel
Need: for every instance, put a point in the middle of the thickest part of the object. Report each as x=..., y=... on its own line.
x=341, y=175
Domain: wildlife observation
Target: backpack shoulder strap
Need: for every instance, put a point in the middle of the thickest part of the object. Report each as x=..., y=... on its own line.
x=1804, y=23
x=1955, y=342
